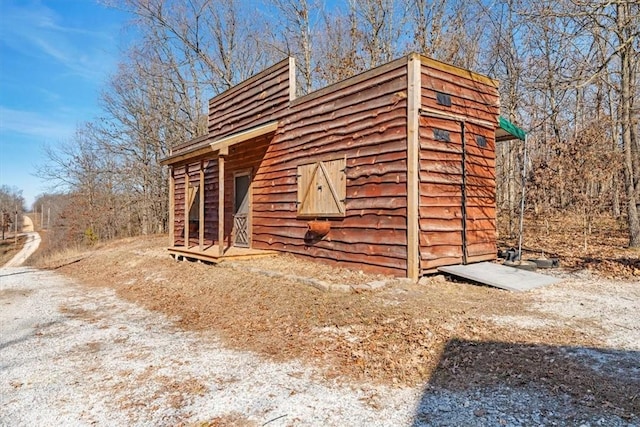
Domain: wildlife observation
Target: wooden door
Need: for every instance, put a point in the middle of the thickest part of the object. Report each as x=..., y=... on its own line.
x=241, y=209
x=457, y=192
x=479, y=193
x=441, y=202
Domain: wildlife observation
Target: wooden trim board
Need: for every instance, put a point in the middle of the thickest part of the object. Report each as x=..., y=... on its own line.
x=201, y=208
x=172, y=208
x=236, y=138
x=220, y=205
x=414, y=93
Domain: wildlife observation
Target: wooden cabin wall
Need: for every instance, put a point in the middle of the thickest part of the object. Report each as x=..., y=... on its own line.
x=246, y=156
x=362, y=119
x=194, y=181
x=179, y=174
x=259, y=100
x=242, y=157
x=440, y=188
x=210, y=201
x=481, y=194
x=256, y=101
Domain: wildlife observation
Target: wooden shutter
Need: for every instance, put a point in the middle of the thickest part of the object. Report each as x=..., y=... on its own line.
x=322, y=189
x=191, y=194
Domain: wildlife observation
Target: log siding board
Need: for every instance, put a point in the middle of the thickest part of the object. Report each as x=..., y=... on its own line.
x=221, y=205
x=178, y=205
x=261, y=99
x=201, y=207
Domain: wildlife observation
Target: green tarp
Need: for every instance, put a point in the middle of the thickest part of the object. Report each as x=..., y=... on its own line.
x=508, y=130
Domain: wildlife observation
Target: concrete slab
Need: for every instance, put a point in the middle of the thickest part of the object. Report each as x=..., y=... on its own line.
x=500, y=276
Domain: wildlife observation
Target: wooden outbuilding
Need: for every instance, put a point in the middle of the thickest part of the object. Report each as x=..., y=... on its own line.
x=392, y=170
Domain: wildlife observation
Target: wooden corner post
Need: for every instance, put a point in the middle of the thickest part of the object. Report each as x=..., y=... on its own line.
x=201, y=208
x=221, y=155
x=292, y=79
x=172, y=208
x=414, y=90
x=186, y=206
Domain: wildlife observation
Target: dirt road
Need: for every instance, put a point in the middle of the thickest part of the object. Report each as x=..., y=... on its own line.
x=71, y=355
x=30, y=246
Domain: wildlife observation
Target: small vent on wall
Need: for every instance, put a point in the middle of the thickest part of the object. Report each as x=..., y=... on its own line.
x=481, y=141
x=443, y=99
x=441, y=135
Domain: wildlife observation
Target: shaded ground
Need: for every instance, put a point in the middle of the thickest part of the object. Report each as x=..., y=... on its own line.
x=402, y=335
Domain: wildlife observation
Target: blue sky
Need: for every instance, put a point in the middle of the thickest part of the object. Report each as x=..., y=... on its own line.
x=55, y=57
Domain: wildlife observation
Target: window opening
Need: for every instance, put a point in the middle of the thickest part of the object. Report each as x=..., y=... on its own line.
x=441, y=135
x=443, y=99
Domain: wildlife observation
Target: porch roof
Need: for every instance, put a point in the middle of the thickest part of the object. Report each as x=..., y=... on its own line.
x=222, y=144
x=205, y=145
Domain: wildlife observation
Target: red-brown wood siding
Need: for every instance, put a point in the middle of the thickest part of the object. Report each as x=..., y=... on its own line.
x=246, y=156
x=256, y=101
x=242, y=157
x=178, y=174
x=250, y=104
x=366, y=123
x=481, y=194
x=363, y=120
x=210, y=201
x=441, y=169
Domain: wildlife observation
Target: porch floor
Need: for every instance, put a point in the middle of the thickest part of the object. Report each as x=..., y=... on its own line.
x=212, y=254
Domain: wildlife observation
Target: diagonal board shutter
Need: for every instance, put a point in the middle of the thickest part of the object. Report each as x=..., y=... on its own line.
x=322, y=189
x=192, y=191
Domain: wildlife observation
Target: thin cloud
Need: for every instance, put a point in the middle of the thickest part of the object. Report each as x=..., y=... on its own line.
x=37, y=31
x=42, y=126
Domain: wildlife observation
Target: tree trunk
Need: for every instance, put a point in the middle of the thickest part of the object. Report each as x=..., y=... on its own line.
x=626, y=82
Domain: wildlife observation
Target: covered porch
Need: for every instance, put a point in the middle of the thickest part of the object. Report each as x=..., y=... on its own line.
x=210, y=196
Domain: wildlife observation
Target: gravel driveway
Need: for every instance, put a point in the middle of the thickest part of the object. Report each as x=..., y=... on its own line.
x=76, y=356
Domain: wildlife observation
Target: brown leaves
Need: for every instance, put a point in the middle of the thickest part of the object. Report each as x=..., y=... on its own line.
x=602, y=249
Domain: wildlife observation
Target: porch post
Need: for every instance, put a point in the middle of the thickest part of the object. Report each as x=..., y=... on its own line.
x=201, y=213
x=221, y=154
x=186, y=206
x=172, y=207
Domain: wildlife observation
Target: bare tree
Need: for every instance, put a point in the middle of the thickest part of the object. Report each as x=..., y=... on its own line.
x=295, y=36
x=381, y=25
x=448, y=30
x=11, y=205
x=618, y=24
x=338, y=53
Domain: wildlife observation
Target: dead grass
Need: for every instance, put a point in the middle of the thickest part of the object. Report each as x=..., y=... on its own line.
x=8, y=248
x=233, y=419
x=55, y=260
x=395, y=335
x=8, y=294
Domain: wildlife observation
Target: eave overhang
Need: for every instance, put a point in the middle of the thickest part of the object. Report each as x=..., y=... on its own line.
x=206, y=145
